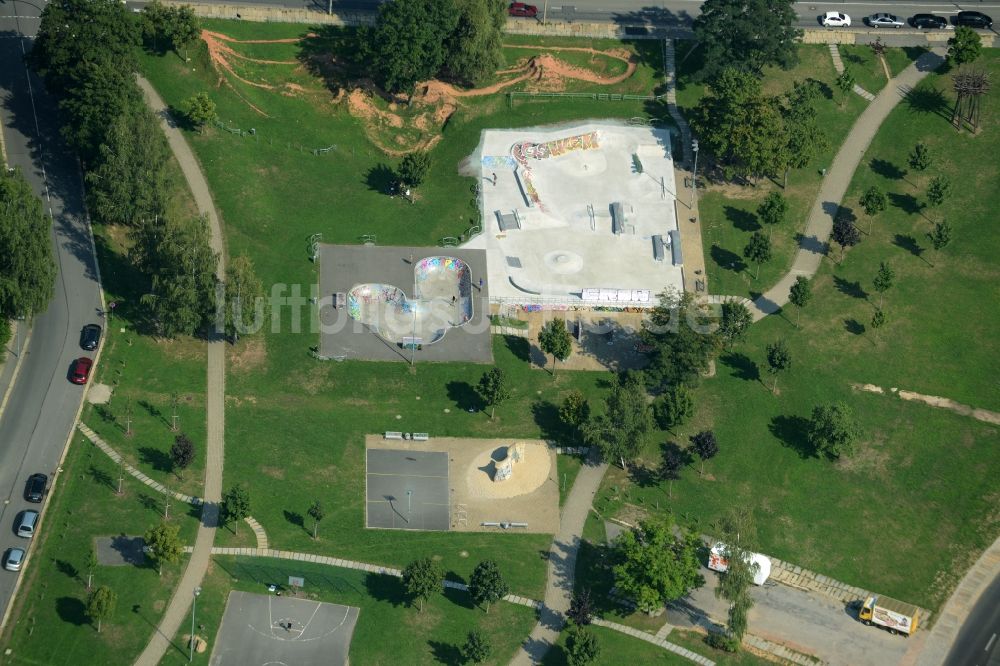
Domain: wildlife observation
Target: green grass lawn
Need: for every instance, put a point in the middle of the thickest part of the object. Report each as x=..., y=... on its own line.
x=431, y=636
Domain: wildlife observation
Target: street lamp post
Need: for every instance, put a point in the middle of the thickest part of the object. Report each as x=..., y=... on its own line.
x=194, y=609
x=694, y=180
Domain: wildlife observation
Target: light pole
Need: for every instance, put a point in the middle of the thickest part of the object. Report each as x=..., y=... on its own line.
x=409, y=502
x=694, y=180
x=194, y=609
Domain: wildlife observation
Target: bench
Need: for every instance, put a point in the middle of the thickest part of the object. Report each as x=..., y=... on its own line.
x=675, y=248
x=394, y=435
x=420, y=437
x=617, y=218
x=658, y=247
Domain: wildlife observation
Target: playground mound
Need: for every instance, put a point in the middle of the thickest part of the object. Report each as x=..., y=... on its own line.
x=527, y=477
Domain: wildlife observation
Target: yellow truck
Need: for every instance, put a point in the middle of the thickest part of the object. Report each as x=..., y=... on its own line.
x=898, y=617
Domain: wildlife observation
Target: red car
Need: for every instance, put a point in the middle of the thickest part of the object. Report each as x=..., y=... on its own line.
x=79, y=372
x=521, y=9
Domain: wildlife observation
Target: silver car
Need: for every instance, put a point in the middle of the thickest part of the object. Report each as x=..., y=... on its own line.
x=884, y=20
x=13, y=559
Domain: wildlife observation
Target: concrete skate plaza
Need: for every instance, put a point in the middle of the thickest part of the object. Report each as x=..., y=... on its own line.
x=262, y=629
x=530, y=495
x=551, y=225
x=375, y=300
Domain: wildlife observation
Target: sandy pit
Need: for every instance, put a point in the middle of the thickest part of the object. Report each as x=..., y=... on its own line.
x=528, y=476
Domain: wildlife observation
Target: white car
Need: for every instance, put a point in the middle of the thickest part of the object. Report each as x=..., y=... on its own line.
x=884, y=20
x=13, y=559
x=836, y=20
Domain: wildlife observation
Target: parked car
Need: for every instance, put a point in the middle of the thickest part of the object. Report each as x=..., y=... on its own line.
x=928, y=22
x=973, y=20
x=90, y=335
x=884, y=20
x=835, y=20
x=34, y=490
x=26, y=523
x=79, y=372
x=13, y=559
x=521, y=9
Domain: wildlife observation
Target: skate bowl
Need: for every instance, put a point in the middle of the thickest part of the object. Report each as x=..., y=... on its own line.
x=442, y=300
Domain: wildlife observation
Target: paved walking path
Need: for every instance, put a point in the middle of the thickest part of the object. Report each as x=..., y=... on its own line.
x=838, y=65
x=258, y=531
x=562, y=565
x=215, y=392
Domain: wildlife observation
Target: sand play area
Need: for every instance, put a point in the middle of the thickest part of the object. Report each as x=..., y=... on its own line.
x=528, y=491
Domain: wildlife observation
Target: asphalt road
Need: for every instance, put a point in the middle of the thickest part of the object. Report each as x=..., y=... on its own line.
x=978, y=642
x=43, y=404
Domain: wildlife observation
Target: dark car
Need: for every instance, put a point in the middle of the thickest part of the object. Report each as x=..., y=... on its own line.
x=973, y=20
x=34, y=490
x=90, y=335
x=521, y=9
x=79, y=372
x=928, y=22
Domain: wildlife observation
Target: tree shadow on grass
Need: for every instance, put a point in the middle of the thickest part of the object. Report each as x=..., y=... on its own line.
x=909, y=243
x=742, y=365
x=905, y=202
x=519, y=347
x=380, y=178
x=928, y=99
x=792, y=431
x=742, y=219
x=64, y=567
x=727, y=260
x=643, y=476
x=382, y=587
x=464, y=395
x=886, y=169
x=852, y=289
x=546, y=416
x=295, y=519
x=446, y=653
x=854, y=327
x=71, y=610
x=460, y=598
x=330, y=53
x=100, y=477
x=158, y=459
x=824, y=89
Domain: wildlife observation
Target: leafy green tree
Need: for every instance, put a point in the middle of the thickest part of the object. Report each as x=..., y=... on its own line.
x=414, y=167
x=845, y=81
x=235, y=505
x=476, y=46
x=672, y=460
x=555, y=339
x=801, y=293
x=729, y=31
x=622, y=430
x=705, y=445
x=758, y=250
x=246, y=307
x=884, y=279
x=674, y=407
x=965, y=46
x=185, y=30
x=738, y=533
x=581, y=608
x=494, y=388
x=163, y=544
x=653, y=566
x=878, y=321
x=833, y=430
x=779, y=359
x=582, y=648
x=845, y=234
x=174, y=27
x=317, y=513
x=27, y=269
x=486, y=584
x=199, y=109
x=574, y=411
x=682, y=338
x=477, y=647
x=91, y=565
x=921, y=157
x=941, y=235
x=95, y=92
x=182, y=451
x=409, y=41
x=804, y=135
x=772, y=211
x=735, y=322
x=873, y=201
x=101, y=605
x=938, y=190
x=422, y=578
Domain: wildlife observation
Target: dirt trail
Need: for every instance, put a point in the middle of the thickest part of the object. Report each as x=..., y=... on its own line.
x=977, y=413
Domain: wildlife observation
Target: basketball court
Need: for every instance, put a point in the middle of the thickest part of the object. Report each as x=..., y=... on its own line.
x=407, y=490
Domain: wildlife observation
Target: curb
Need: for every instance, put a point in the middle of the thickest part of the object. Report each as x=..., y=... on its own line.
x=13, y=377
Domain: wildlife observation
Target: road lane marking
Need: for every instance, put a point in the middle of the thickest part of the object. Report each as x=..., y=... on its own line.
x=990, y=644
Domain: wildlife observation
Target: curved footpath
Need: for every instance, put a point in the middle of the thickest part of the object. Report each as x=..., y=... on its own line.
x=215, y=390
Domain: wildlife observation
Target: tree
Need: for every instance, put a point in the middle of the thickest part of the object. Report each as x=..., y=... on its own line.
x=772, y=211
x=683, y=340
x=582, y=648
x=965, y=46
x=422, y=578
x=674, y=407
x=779, y=359
x=475, y=48
x=246, y=308
x=738, y=534
x=486, y=584
x=91, y=565
x=878, y=321
x=736, y=320
x=581, y=608
x=845, y=234
x=845, y=81
x=408, y=42
x=805, y=137
x=758, y=250
x=477, y=647
x=574, y=411
x=729, y=32
x=801, y=292
x=414, y=167
x=163, y=544
x=182, y=452
x=620, y=433
x=235, y=505
x=941, y=235
x=27, y=271
x=920, y=157
x=555, y=339
x=493, y=388
x=873, y=201
x=672, y=461
x=883, y=281
x=96, y=91
x=938, y=190
x=316, y=513
x=653, y=566
x=705, y=445
x=185, y=29
x=101, y=605
x=162, y=26
x=199, y=109
x=832, y=430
